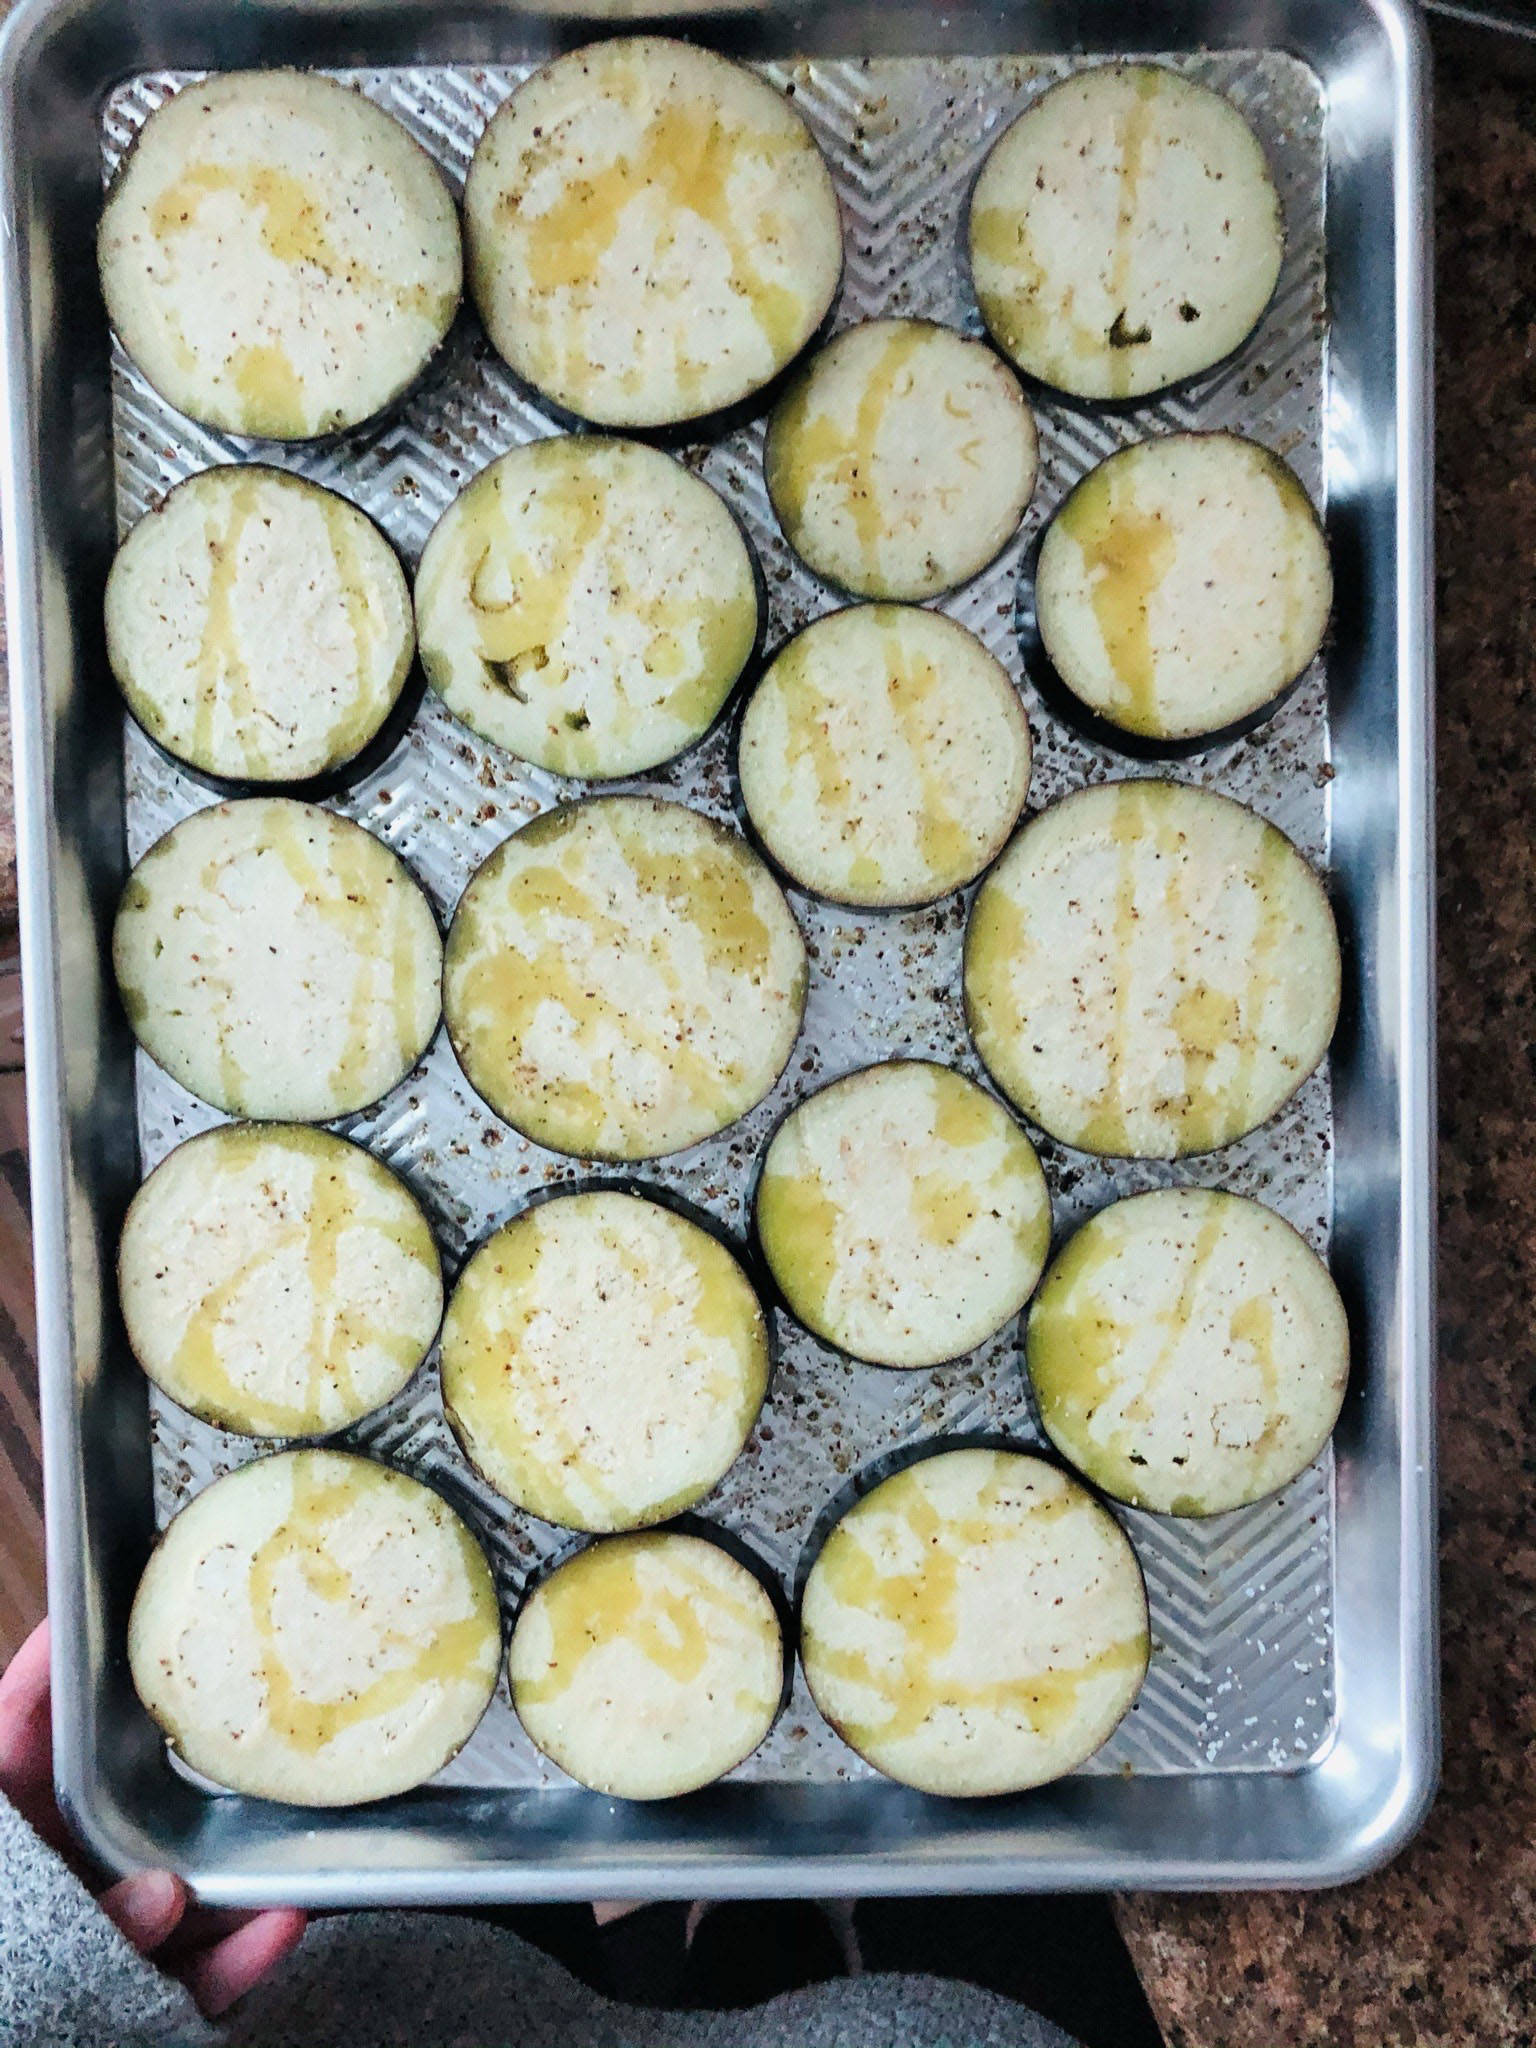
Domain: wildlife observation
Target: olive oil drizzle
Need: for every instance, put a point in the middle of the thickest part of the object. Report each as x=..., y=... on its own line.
x=358, y=877
x=643, y=1592
x=356, y=720
x=331, y=1210
x=529, y=546
x=455, y=1653
x=291, y=216
x=828, y=729
x=515, y=1390
x=270, y=388
x=910, y=1682
x=552, y=928
x=1144, y=817
x=685, y=157
x=515, y=1420
x=222, y=670
x=293, y=232
x=1175, y=1324
x=1075, y=1343
x=823, y=1243
x=1127, y=553
x=812, y=450
x=1134, y=134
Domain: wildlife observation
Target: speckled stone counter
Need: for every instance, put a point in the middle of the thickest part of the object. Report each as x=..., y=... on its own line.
x=1437, y=1951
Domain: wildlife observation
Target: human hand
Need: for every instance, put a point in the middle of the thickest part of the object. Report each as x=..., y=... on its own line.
x=218, y=1956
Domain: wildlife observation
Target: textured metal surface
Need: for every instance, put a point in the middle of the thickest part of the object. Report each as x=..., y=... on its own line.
x=1241, y=1678
x=1367, y=1787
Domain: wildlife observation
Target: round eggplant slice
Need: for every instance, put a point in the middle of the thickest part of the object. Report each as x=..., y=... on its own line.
x=259, y=626
x=884, y=757
x=903, y=1214
x=902, y=460
x=653, y=235
x=977, y=1623
x=1151, y=970
x=624, y=978
x=318, y=1629
x=1184, y=585
x=604, y=1360
x=278, y=256
x=277, y=960
x=588, y=605
x=277, y=1280
x=1125, y=233
x=1189, y=1351
x=648, y=1665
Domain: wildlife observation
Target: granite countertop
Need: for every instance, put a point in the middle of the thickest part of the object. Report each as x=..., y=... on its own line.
x=1436, y=1951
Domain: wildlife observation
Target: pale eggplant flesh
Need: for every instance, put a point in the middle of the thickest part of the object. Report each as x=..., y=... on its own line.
x=278, y=960
x=901, y=459
x=1125, y=233
x=653, y=233
x=903, y=1214
x=623, y=979
x=260, y=629
x=589, y=605
x=1188, y=1351
x=648, y=1665
x=277, y=1280
x=884, y=757
x=278, y=256
x=1181, y=590
x=975, y=1624
x=1151, y=970
x=318, y=1629
x=604, y=1360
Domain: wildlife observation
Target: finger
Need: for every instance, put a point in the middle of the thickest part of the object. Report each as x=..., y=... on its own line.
x=26, y=1743
x=202, y=1927
x=232, y=1966
x=146, y=1907
x=606, y=1911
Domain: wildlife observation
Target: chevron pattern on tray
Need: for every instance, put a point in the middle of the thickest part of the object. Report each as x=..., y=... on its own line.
x=1242, y=1674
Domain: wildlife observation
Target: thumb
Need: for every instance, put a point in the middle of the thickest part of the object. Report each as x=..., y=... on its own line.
x=145, y=1908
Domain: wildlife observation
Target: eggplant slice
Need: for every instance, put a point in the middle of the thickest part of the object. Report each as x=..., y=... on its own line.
x=904, y=1214
x=278, y=256
x=901, y=460
x=884, y=757
x=259, y=627
x=587, y=604
x=1184, y=586
x=653, y=234
x=1125, y=233
x=977, y=1623
x=1188, y=1351
x=1151, y=970
x=604, y=1360
x=277, y=1280
x=624, y=978
x=277, y=960
x=317, y=1629
x=648, y=1666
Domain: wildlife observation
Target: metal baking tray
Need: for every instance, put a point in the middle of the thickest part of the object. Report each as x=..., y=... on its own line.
x=1288, y=1730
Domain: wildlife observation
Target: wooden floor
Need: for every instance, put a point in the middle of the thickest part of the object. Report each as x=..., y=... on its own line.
x=21, y=1476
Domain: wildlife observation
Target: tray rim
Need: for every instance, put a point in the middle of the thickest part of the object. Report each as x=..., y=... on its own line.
x=1050, y=1842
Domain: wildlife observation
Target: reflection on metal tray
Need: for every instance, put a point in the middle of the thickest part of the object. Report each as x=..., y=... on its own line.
x=1256, y=1684
x=1242, y=1671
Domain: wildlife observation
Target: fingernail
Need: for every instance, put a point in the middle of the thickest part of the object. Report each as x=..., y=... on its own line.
x=145, y=1907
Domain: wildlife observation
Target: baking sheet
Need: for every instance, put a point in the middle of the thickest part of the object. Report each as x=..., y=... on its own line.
x=1242, y=1670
